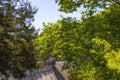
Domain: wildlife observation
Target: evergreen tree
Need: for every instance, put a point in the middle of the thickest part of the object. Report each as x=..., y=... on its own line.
x=17, y=34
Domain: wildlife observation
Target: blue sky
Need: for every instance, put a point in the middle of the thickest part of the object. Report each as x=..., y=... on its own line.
x=48, y=12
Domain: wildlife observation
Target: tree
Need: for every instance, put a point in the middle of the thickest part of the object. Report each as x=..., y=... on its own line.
x=90, y=6
x=90, y=48
x=17, y=34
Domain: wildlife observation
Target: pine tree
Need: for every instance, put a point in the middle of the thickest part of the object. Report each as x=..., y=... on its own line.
x=17, y=34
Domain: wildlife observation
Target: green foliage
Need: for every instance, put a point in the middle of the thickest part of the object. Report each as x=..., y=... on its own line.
x=113, y=60
x=90, y=48
x=90, y=6
x=17, y=34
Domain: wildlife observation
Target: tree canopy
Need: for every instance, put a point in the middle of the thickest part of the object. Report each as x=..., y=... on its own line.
x=17, y=34
x=90, y=6
x=91, y=48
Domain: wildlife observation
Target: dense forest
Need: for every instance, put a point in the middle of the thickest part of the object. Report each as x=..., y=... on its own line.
x=90, y=47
